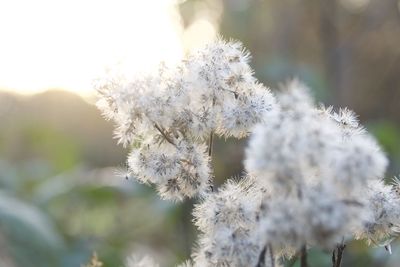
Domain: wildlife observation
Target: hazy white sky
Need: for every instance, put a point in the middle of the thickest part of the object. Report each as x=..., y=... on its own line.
x=66, y=44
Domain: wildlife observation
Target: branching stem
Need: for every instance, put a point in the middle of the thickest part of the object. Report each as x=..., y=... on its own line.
x=271, y=255
x=303, y=257
x=261, y=258
x=337, y=254
x=233, y=92
x=210, y=144
x=167, y=138
x=210, y=150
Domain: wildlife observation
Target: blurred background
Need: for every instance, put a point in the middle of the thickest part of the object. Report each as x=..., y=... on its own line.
x=59, y=197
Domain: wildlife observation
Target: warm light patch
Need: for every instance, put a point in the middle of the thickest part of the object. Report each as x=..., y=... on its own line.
x=66, y=44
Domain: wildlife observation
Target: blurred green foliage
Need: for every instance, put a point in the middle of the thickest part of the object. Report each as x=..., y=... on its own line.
x=59, y=200
x=388, y=135
x=60, y=220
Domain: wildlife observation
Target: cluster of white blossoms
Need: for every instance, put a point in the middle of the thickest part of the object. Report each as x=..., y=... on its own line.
x=306, y=153
x=383, y=222
x=167, y=118
x=227, y=221
x=314, y=174
x=314, y=180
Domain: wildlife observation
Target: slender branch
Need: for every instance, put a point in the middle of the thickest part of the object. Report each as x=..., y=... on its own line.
x=188, y=162
x=337, y=255
x=186, y=214
x=231, y=91
x=388, y=248
x=303, y=257
x=210, y=150
x=261, y=258
x=341, y=248
x=169, y=140
x=271, y=255
x=352, y=202
x=210, y=144
x=334, y=258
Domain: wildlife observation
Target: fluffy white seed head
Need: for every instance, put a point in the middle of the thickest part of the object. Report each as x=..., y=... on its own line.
x=358, y=159
x=316, y=165
x=383, y=223
x=313, y=172
x=293, y=145
x=228, y=221
x=168, y=116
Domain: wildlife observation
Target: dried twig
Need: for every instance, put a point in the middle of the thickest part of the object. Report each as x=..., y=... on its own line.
x=169, y=140
x=303, y=257
x=261, y=258
x=337, y=254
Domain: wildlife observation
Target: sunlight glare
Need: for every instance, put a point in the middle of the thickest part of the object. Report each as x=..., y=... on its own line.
x=48, y=44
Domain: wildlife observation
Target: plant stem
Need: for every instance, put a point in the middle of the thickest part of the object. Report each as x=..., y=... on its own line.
x=337, y=255
x=303, y=257
x=210, y=144
x=186, y=213
x=210, y=150
x=334, y=257
x=261, y=258
x=169, y=140
x=271, y=255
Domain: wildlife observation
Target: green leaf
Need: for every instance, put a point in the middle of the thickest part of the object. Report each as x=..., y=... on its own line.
x=30, y=236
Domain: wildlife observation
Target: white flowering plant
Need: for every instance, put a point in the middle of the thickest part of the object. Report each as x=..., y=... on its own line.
x=314, y=175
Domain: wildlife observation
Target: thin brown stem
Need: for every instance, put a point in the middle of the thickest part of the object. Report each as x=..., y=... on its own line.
x=271, y=255
x=210, y=150
x=337, y=255
x=261, y=258
x=303, y=257
x=186, y=161
x=210, y=144
x=233, y=92
x=334, y=258
x=167, y=138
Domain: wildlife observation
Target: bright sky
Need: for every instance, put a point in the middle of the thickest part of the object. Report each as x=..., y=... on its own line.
x=67, y=43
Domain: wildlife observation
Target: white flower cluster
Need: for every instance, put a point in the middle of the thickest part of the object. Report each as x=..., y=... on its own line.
x=168, y=117
x=227, y=221
x=383, y=223
x=314, y=179
x=316, y=164
x=314, y=174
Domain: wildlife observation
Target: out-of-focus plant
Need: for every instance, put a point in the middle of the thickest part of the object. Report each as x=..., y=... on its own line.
x=94, y=262
x=314, y=175
x=60, y=220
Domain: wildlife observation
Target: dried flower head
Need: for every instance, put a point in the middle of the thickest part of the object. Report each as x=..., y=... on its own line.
x=167, y=117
